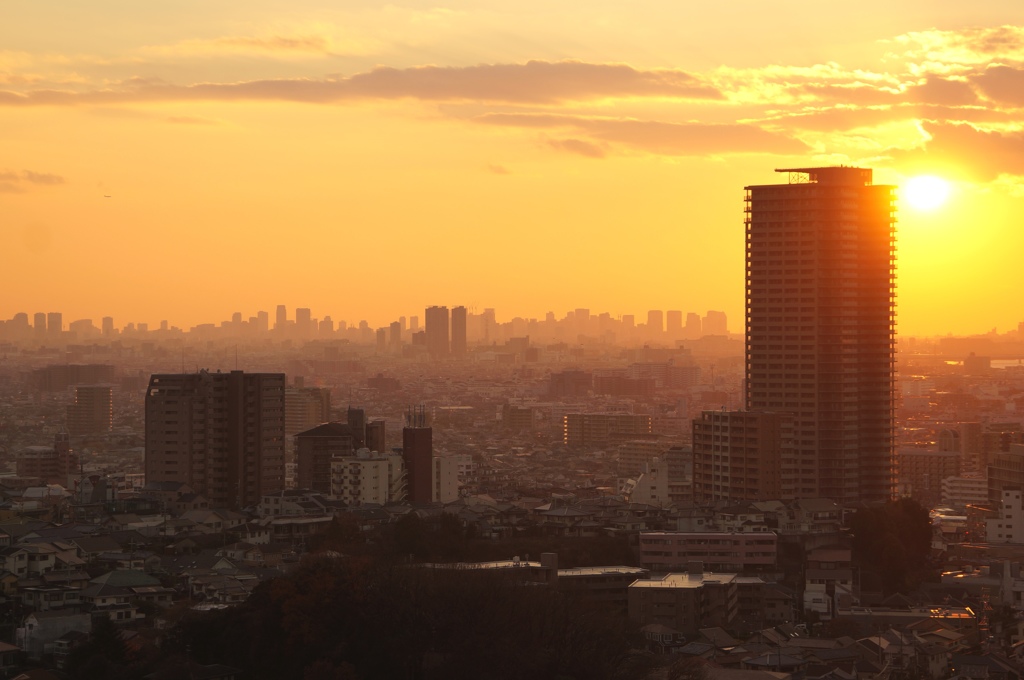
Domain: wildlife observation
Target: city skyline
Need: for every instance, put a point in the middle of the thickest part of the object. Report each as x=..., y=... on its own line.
x=540, y=157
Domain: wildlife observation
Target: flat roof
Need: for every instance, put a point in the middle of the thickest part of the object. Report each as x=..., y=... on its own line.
x=684, y=580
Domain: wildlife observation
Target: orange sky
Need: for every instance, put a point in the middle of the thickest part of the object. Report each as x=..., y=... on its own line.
x=369, y=160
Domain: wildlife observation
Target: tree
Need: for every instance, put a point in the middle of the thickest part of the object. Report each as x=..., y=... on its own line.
x=893, y=542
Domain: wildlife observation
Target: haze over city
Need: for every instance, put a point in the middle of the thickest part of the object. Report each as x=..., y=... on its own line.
x=183, y=162
x=646, y=341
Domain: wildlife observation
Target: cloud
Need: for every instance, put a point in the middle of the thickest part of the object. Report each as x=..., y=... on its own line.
x=968, y=46
x=498, y=169
x=671, y=139
x=1002, y=84
x=981, y=154
x=17, y=182
x=578, y=146
x=535, y=82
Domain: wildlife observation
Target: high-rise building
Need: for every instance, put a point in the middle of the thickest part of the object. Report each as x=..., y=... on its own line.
x=39, y=324
x=305, y=408
x=281, y=321
x=437, y=331
x=715, y=323
x=418, y=454
x=693, y=325
x=303, y=322
x=820, y=326
x=356, y=418
x=220, y=433
x=92, y=412
x=376, y=436
x=315, y=449
x=739, y=455
x=655, y=322
x=108, y=326
x=54, y=324
x=459, y=331
x=674, y=323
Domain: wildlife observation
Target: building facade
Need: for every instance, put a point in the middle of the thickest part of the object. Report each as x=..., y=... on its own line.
x=740, y=455
x=220, y=433
x=315, y=451
x=820, y=297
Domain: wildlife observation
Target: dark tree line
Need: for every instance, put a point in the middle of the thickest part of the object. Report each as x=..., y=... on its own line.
x=891, y=545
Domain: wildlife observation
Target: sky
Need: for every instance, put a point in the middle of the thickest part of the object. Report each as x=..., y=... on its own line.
x=187, y=160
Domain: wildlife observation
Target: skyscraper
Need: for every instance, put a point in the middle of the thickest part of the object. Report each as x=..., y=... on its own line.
x=459, y=331
x=220, y=433
x=437, y=331
x=820, y=327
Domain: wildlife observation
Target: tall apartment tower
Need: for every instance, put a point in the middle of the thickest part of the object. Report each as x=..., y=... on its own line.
x=220, y=433
x=820, y=327
x=437, y=331
x=459, y=331
x=92, y=412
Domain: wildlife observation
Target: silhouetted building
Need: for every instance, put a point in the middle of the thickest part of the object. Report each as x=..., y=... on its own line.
x=357, y=422
x=305, y=408
x=674, y=323
x=53, y=464
x=220, y=433
x=581, y=429
x=693, y=325
x=418, y=454
x=655, y=322
x=437, y=331
x=54, y=324
x=93, y=410
x=569, y=384
x=376, y=436
x=315, y=449
x=459, y=331
x=714, y=323
x=820, y=335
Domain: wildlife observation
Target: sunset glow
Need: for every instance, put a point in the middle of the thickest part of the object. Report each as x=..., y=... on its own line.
x=367, y=160
x=925, y=192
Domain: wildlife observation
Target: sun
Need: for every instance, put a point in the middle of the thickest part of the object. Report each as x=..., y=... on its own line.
x=926, y=192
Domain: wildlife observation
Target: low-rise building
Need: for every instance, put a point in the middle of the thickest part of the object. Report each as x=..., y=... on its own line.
x=733, y=552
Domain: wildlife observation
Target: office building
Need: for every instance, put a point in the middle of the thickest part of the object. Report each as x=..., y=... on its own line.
x=54, y=324
x=820, y=326
x=714, y=323
x=220, y=433
x=437, y=331
x=39, y=325
x=674, y=323
x=281, y=320
x=303, y=322
x=693, y=325
x=655, y=323
x=459, y=331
